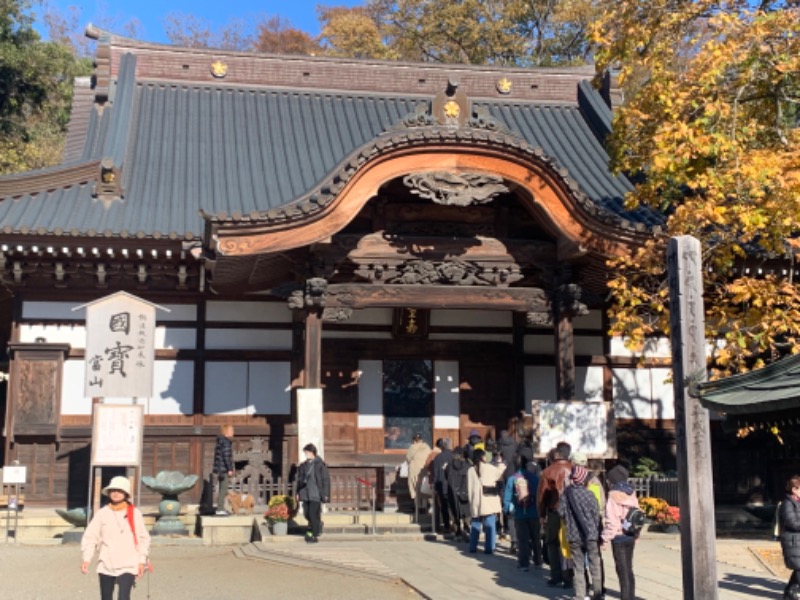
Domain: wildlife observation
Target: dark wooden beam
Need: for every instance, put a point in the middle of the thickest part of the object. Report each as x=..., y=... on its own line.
x=346, y=295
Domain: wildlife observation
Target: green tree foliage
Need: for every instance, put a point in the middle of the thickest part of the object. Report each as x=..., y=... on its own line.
x=36, y=82
x=713, y=131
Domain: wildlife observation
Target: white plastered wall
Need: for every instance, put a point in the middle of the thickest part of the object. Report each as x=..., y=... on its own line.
x=173, y=385
x=248, y=388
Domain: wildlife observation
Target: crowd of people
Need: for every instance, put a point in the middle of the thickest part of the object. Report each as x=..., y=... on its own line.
x=560, y=513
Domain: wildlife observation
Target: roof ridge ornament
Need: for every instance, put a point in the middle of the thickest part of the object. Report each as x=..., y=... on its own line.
x=451, y=108
x=108, y=186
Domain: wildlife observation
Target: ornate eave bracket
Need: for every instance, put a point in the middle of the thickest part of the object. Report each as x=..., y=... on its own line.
x=313, y=297
x=567, y=300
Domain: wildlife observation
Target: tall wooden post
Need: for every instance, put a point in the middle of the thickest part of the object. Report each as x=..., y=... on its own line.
x=566, y=305
x=313, y=349
x=565, y=355
x=695, y=485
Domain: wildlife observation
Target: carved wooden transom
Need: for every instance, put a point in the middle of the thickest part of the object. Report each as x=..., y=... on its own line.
x=455, y=189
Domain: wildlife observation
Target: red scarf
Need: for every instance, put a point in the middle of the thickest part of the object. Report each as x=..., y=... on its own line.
x=129, y=517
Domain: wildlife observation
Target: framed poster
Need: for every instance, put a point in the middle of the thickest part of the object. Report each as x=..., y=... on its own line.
x=117, y=434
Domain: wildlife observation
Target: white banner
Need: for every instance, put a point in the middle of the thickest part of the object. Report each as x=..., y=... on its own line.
x=120, y=347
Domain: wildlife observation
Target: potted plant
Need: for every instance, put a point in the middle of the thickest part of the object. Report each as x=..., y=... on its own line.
x=280, y=509
x=652, y=506
x=669, y=518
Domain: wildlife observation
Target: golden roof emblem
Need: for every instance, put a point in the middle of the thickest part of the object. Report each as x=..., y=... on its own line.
x=504, y=85
x=452, y=109
x=219, y=69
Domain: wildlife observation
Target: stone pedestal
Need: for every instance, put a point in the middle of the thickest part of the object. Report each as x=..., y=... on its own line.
x=168, y=522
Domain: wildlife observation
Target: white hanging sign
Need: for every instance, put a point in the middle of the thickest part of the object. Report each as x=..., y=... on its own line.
x=120, y=347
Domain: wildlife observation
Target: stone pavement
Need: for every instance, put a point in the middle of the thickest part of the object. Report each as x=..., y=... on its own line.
x=364, y=567
x=443, y=569
x=340, y=558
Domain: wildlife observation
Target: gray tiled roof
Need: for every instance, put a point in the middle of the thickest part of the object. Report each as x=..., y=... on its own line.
x=186, y=148
x=775, y=387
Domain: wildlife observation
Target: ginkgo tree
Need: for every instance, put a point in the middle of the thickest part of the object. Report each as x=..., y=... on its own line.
x=711, y=135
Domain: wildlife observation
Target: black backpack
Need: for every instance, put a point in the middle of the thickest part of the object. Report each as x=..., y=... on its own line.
x=634, y=521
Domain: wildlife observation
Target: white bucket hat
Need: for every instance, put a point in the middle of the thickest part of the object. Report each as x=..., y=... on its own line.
x=579, y=458
x=120, y=483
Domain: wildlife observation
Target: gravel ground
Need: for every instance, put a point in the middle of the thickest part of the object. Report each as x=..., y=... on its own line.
x=182, y=573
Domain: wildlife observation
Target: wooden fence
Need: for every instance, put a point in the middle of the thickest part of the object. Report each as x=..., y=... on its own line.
x=351, y=490
x=658, y=487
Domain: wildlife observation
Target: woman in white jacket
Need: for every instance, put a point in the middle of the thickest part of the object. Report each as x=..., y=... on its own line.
x=118, y=531
x=484, y=501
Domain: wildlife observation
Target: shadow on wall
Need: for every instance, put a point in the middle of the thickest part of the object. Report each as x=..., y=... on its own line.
x=181, y=387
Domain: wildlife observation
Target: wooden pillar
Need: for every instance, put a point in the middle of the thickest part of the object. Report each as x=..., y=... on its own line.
x=565, y=354
x=695, y=483
x=520, y=323
x=312, y=369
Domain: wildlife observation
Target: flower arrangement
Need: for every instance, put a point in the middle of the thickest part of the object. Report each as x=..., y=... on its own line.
x=652, y=506
x=669, y=516
x=280, y=509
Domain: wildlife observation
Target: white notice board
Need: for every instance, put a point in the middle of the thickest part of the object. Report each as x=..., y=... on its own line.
x=14, y=475
x=584, y=425
x=117, y=434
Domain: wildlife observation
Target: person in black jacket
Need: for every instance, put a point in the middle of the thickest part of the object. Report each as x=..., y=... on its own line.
x=581, y=517
x=313, y=490
x=789, y=519
x=507, y=449
x=439, y=466
x=223, y=465
x=457, y=492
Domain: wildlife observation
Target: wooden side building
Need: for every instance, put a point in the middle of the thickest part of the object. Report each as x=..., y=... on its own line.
x=425, y=243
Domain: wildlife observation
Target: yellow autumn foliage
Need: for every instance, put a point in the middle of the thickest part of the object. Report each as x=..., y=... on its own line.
x=713, y=128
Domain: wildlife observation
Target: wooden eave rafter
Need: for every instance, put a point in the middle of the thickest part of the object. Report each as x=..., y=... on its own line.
x=34, y=242
x=562, y=207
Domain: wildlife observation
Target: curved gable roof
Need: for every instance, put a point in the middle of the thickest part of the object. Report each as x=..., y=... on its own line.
x=184, y=148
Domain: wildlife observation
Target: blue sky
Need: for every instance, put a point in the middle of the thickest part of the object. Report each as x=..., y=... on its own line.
x=151, y=13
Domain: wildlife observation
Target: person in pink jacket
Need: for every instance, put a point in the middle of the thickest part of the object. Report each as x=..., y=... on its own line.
x=620, y=500
x=118, y=531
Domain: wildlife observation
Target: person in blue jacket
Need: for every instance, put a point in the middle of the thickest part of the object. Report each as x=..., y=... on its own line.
x=520, y=497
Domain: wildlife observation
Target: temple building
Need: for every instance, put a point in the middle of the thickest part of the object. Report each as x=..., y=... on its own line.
x=426, y=244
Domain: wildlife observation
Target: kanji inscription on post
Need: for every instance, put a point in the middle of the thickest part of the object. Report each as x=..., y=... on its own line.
x=120, y=347
x=692, y=429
